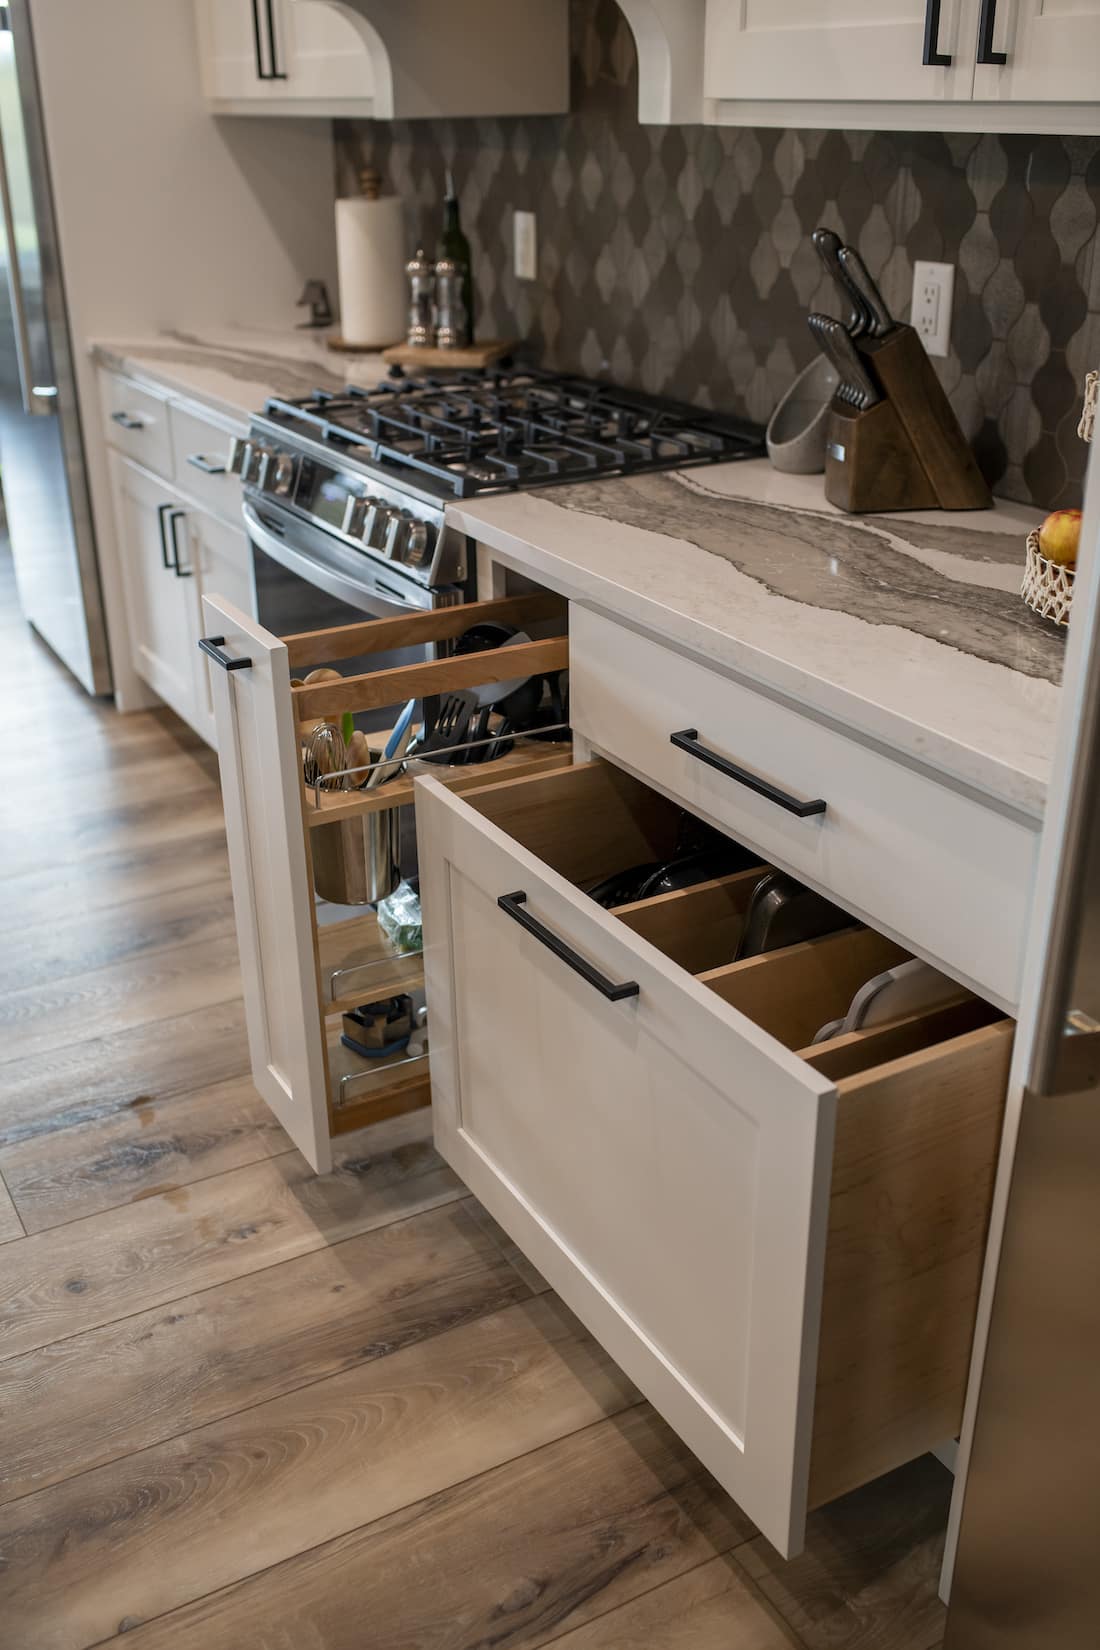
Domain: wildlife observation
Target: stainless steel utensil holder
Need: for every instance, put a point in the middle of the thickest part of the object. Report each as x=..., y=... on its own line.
x=356, y=861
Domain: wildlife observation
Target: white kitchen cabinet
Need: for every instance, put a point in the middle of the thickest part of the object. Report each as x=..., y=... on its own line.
x=900, y=65
x=300, y=57
x=375, y=59
x=158, y=583
x=842, y=50
x=1051, y=50
x=780, y=1243
x=222, y=559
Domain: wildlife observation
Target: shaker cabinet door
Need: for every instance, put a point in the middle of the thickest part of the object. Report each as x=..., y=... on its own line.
x=161, y=607
x=837, y=50
x=1051, y=50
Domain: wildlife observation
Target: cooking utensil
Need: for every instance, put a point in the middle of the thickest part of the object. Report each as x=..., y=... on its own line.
x=325, y=754
x=910, y=988
x=396, y=746
x=827, y=244
x=858, y=274
x=451, y=727
x=783, y=912
x=857, y=388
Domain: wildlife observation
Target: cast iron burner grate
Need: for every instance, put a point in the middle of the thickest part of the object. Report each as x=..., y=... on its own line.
x=523, y=427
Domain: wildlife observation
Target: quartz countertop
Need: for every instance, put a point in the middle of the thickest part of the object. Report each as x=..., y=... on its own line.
x=907, y=629
x=234, y=371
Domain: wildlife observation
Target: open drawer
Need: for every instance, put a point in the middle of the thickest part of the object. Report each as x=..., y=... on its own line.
x=780, y=1244
x=305, y=965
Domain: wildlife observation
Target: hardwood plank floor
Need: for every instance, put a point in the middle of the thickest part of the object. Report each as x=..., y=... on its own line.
x=243, y=1407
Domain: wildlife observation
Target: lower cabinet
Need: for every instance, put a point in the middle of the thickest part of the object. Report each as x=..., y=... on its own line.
x=779, y=1241
x=172, y=554
x=158, y=579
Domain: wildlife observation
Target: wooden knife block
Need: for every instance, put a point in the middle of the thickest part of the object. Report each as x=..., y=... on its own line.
x=906, y=452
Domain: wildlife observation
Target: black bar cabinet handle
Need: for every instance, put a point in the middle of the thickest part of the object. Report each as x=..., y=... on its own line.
x=175, y=515
x=208, y=466
x=212, y=647
x=933, y=57
x=276, y=72
x=688, y=740
x=512, y=905
x=165, y=563
x=127, y=420
x=986, y=24
x=261, y=72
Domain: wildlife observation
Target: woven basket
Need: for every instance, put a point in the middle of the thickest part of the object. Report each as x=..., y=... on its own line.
x=1048, y=587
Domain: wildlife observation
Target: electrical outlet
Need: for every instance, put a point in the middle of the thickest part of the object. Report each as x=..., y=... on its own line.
x=525, y=246
x=933, y=289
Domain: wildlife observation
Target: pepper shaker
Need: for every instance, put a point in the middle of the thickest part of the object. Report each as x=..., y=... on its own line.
x=452, y=329
x=421, y=273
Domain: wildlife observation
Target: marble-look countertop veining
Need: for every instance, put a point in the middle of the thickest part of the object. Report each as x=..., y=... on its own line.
x=907, y=629
x=234, y=371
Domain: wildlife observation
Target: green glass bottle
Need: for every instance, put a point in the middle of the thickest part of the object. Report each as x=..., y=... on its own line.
x=453, y=244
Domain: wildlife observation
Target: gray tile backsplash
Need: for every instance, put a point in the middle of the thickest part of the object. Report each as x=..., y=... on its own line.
x=677, y=258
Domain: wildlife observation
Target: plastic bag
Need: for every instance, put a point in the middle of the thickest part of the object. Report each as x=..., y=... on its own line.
x=399, y=918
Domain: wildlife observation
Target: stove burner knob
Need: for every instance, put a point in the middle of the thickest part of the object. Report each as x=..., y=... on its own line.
x=418, y=545
x=354, y=511
x=256, y=461
x=283, y=474
x=238, y=451
x=396, y=532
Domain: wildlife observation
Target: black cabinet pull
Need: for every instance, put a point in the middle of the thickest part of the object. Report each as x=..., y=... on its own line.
x=933, y=57
x=257, y=44
x=212, y=647
x=512, y=905
x=208, y=466
x=164, y=562
x=986, y=24
x=173, y=516
x=688, y=740
x=128, y=421
x=276, y=72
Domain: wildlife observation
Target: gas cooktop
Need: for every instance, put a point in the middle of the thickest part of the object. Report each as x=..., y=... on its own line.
x=475, y=432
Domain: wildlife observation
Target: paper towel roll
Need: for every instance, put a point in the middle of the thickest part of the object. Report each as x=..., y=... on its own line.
x=370, y=257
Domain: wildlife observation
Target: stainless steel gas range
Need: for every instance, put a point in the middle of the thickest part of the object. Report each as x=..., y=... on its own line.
x=344, y=495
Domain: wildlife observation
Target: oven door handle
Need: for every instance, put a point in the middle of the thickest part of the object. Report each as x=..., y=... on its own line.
x=316, y=573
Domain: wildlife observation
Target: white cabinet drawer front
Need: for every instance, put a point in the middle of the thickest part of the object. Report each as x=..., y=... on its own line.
x=667, y=1149
x=939, y=868
x=702, y=1195
x=136, y=422
x=200, y=451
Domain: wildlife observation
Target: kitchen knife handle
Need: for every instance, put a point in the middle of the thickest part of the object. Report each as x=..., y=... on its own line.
x=212, y=646
x=512, y=905
x=688, y=740
x=986, y=24
x=933, y=57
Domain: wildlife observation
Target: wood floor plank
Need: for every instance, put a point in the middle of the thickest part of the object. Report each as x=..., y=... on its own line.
x=10, y=1224
x=510, y=1559
x=96, y=1397
x=80, y=1276
x=151, y=1146
x=118, y=876
x=89, y=940
x=167, y=769
x=511, y=1251
x=869, y=1575
x=712, y=1608
x=165, y=1526
x=79, y=1081
x=119, y=997
x=155, y=821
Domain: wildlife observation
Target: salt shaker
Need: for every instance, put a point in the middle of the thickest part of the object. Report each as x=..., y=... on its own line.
x=451, y=321
x=421, y=273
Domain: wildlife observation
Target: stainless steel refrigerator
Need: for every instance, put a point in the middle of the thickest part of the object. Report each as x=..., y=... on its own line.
x=1027, y=1572
x=42, y=470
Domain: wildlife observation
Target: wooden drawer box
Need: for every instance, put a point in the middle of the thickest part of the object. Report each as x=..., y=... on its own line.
x=781, y=1244
x=882, y=822
x=136, y=422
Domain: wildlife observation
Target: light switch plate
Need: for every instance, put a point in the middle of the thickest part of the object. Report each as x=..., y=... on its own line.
x=933, y=290
x=525, y=246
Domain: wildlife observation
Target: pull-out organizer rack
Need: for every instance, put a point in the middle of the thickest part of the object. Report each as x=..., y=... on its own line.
x=304, y=964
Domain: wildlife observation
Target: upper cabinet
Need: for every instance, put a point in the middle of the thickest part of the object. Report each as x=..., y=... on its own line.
x=956, y=65
x=374, y=58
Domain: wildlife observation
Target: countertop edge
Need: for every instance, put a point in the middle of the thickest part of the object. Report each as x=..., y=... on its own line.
x=1017, y=794
x=161, y=379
